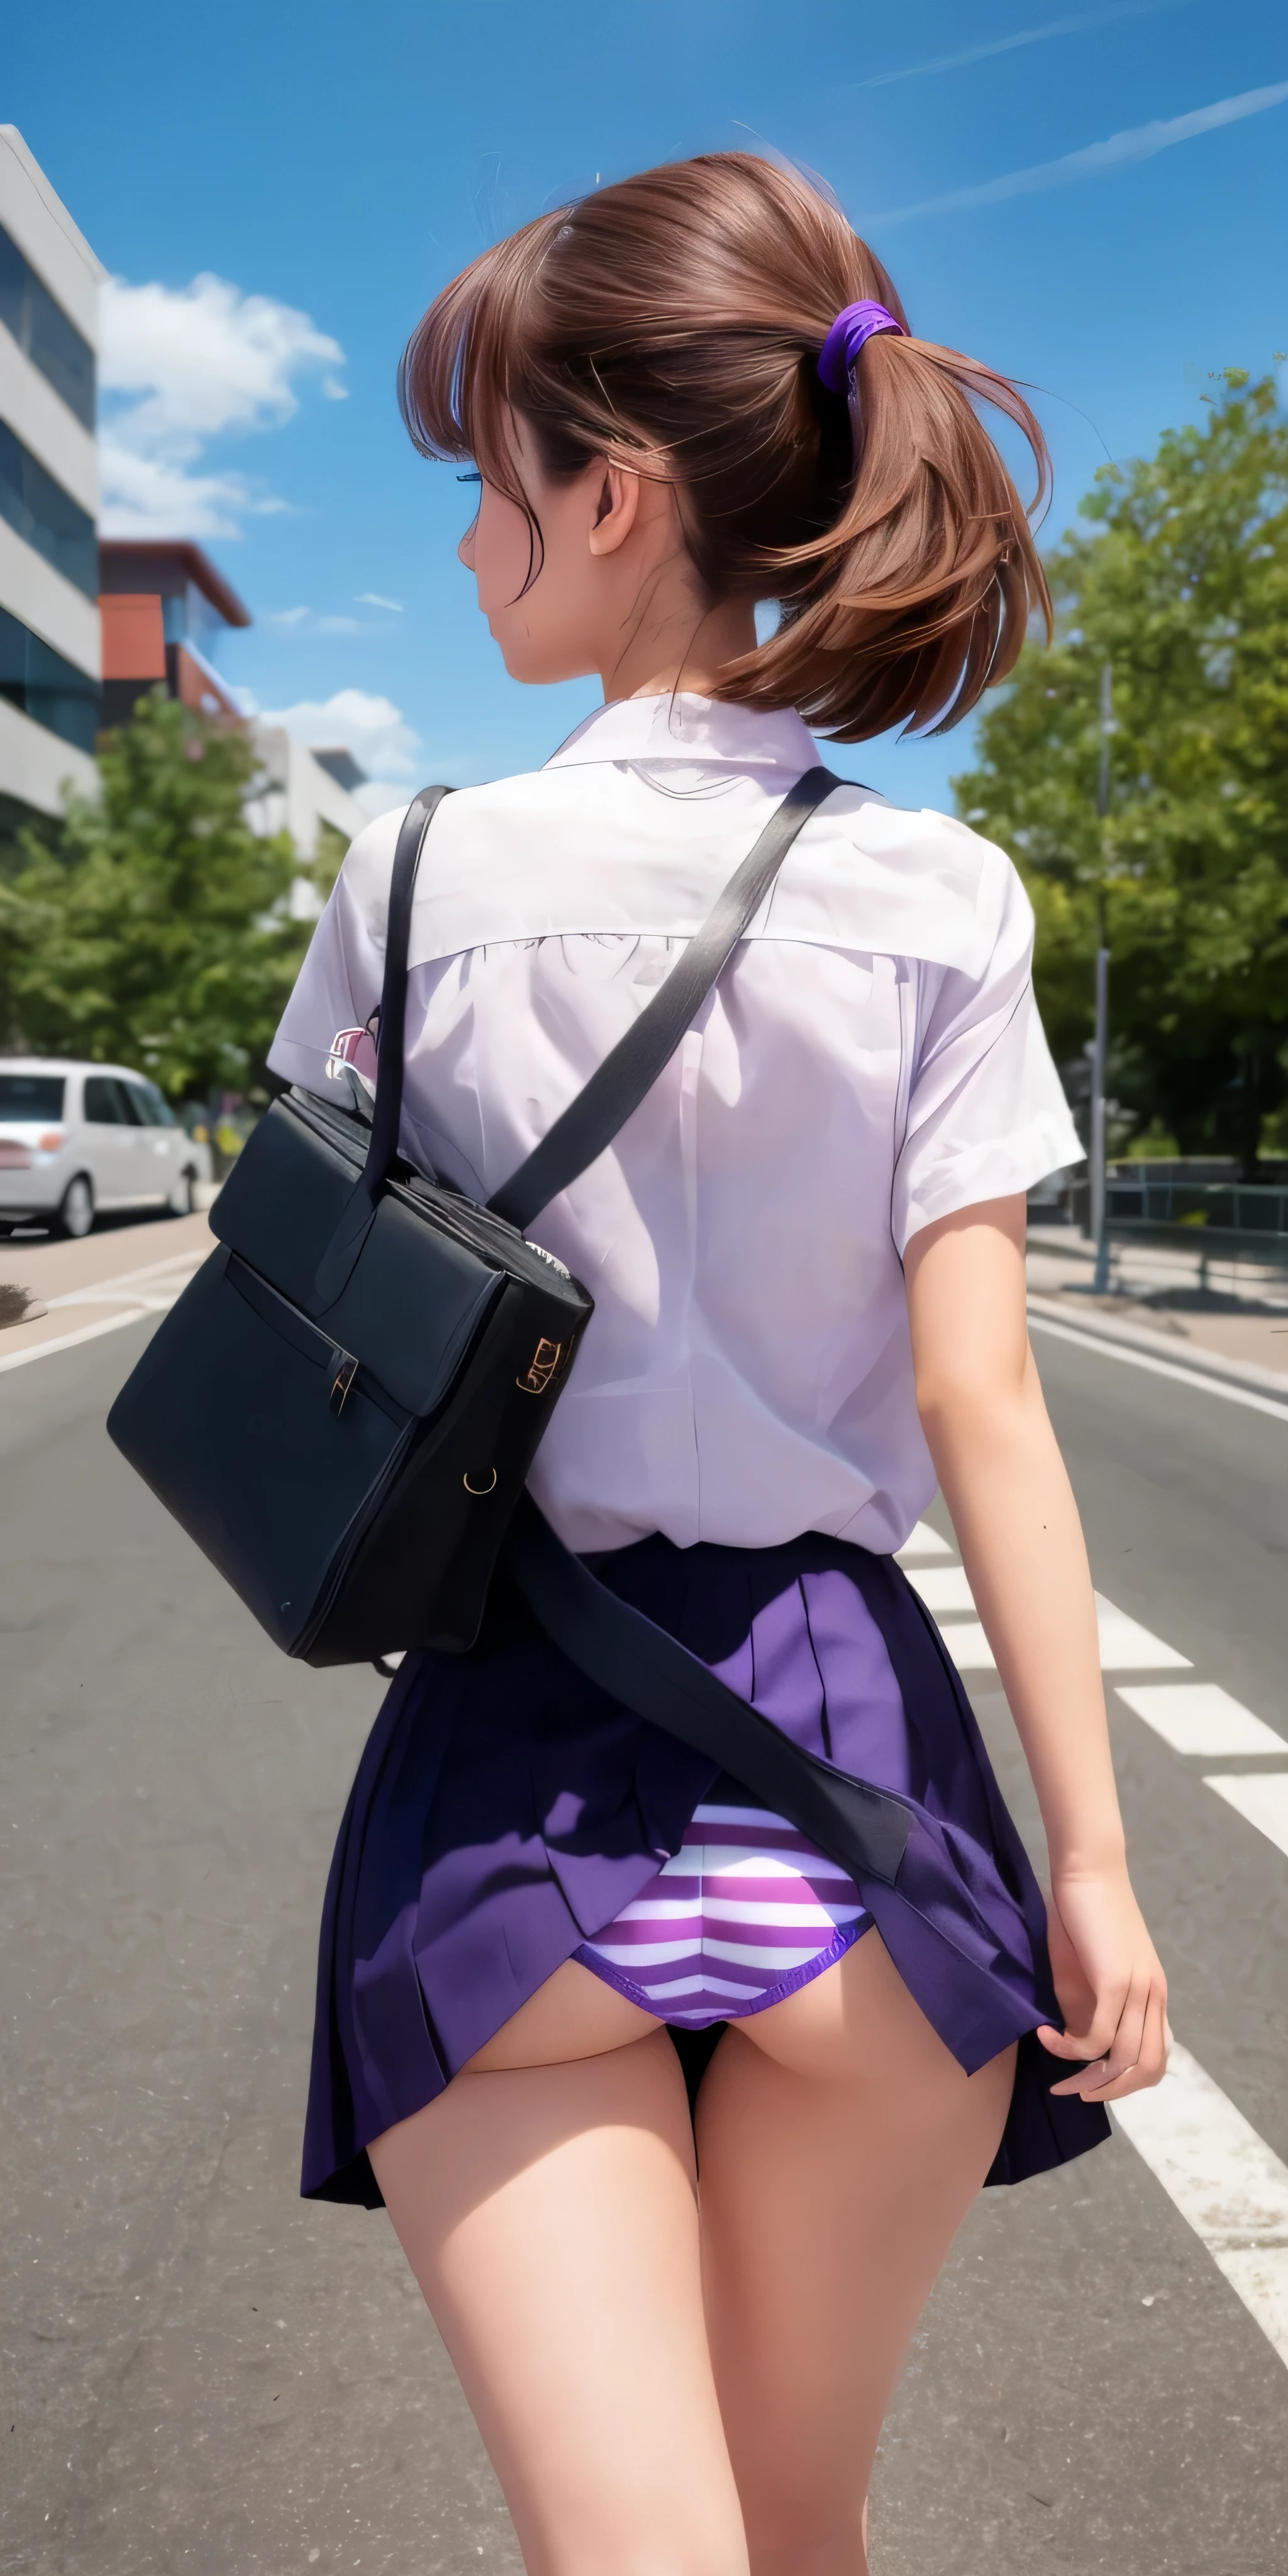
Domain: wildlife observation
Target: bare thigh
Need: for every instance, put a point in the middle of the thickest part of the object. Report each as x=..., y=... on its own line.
x=840, y=2146
x=547, y=2205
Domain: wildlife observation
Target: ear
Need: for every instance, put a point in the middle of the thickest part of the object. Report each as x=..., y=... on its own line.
x=617, y=510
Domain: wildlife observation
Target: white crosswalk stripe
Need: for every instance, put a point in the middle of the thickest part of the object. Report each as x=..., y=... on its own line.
x=1200, y=1717
x=1229, y=2186
x=1261, y=1797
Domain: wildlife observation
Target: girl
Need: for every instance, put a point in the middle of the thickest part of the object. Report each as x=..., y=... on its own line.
x=691, y=393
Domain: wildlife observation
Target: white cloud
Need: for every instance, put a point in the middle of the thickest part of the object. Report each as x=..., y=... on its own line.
x=180, y=367
x=372, y=728
x=373, y=599
x=983, y=53
x=1117, y=152
x=380, y=796
x=305, y=621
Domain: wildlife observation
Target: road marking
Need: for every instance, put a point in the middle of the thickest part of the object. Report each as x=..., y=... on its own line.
x=157, y=1301
x=1200, y=1717
x=128, y=1291
x=1125, y=1647
x=1262, y=1797
x=943, y=1587
x=1228, y=2185
x=922, y=1541
x=190, y=1261
x=1161, y=1368
x=68, y=1341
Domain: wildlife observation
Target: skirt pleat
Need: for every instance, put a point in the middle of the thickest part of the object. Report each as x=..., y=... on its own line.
x=505, y=1810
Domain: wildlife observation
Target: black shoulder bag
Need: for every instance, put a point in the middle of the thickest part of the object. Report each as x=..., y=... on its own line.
x=343, y=1406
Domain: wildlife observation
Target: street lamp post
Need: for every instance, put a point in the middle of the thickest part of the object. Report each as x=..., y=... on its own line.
x=1099, y=1210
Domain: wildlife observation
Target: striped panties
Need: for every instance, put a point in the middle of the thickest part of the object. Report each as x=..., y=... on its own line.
x=745, y=1912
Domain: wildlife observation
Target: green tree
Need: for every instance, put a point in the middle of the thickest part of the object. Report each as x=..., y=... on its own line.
x=158, y=932
x=1179, y=580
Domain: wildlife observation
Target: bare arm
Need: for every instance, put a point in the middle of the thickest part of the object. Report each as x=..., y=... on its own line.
x=1005, y=1485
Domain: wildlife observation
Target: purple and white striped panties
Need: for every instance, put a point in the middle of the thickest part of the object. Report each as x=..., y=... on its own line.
x=745, y=1912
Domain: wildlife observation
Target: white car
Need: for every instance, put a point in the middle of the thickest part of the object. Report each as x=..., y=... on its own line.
x=79, y=1138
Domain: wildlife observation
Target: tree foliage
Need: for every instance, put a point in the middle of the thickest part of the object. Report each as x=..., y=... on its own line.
x=1179, y=580
x=158, y=934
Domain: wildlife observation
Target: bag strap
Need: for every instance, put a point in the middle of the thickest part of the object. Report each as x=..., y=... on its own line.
x=642, y=1665
x=382, y=1153
x=631, y=1068
x=346, y=1243
x=627, y=1073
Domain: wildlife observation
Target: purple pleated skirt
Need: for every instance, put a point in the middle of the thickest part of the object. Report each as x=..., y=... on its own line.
x=505, y=1810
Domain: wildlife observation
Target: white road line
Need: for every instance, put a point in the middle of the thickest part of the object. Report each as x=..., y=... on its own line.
x=1125, y=1647
x=922, y=1541
x=1228, y=2185
x=1160, y=1368
x=133, y=1301
x=68, y=1341
x=158, y=1300
x=942, y=1587
x=1200, y=1717
x=1262, y=1797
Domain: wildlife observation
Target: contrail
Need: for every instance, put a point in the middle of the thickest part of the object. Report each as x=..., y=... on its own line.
x=1138, y=143
x=1011, y=44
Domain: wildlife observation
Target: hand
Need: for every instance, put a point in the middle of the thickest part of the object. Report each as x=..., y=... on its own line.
x=1110, y=1986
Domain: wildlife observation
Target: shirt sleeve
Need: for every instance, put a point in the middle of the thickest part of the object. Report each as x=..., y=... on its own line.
x=987, y=1116
x=338, y=985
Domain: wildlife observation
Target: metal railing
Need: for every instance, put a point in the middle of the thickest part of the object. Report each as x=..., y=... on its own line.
x=1230, y=1218
x=1227, y=1207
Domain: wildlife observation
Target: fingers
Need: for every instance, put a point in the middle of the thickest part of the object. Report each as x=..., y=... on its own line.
x=1100, y=2035
x=1134, y=2058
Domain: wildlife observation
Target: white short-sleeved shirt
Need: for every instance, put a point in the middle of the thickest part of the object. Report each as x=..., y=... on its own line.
x=871, y=1059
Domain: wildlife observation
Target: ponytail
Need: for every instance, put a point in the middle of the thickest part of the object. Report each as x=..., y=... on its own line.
x=674, y=324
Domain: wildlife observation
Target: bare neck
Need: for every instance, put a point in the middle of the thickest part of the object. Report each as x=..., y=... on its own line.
x=674, y=643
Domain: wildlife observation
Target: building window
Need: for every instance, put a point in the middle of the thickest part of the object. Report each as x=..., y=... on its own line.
x=43, y=332
x=49, y=519
x=45, y=686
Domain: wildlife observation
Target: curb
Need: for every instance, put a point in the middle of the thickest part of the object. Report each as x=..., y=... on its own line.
x=1161, y=1346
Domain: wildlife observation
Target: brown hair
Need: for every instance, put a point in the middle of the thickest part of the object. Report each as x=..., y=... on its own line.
x=672, y=324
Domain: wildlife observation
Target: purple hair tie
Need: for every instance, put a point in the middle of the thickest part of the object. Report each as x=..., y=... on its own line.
x=855, y=324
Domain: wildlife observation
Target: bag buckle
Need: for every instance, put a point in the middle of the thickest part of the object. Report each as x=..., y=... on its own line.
x=541, y=1367
x=346, y=1371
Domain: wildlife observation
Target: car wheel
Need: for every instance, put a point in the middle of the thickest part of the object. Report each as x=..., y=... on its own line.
x=76, y=1213
x=180, y=1199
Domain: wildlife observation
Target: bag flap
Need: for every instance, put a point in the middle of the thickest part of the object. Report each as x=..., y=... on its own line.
x=283, y=1200
x=416, y=1296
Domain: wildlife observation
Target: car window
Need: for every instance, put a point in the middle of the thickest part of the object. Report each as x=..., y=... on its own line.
x=105, y=1102
x=133, y=1110
x=153, y=1110
x=31, y=1095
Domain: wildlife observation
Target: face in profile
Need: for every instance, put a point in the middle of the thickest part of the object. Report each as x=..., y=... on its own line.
x=560, y=589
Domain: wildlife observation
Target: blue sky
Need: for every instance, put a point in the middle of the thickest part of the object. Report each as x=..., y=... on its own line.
x=1090, y=198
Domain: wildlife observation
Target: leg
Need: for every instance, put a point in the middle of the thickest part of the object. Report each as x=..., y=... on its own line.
x=548, y=2211
x=840, y=2147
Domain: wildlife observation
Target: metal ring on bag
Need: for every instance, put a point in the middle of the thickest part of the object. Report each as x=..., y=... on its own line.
x=479, y=1489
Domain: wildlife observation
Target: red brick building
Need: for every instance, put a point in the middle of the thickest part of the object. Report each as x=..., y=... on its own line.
x=164, y=609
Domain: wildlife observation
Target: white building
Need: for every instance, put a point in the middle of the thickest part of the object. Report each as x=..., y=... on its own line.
x=298, y=790
x=50, y=652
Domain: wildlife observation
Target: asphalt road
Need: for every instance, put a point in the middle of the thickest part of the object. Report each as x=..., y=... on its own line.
x=203, y=2375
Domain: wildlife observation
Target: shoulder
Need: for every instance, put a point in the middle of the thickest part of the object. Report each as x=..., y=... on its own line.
x=480, y=842
x=868, y=874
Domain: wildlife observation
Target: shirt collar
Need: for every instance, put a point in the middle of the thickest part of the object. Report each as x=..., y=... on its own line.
x=703, y=731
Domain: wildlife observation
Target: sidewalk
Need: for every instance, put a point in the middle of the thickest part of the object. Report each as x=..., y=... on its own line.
x=1190, y=1304
x=109, y=1278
